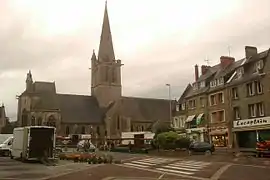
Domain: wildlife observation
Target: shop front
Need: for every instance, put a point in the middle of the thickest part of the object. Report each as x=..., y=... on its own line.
x=249, y=131
x=219, y=136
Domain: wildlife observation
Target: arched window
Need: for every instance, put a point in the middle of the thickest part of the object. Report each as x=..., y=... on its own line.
x=142, y=128
x=106, y=73
x=118, y=122
x=39, y=121
x=131, y=128
x=113, y=75
x=106, y=133
x=98, y=131
x=83, y=130
x=67, y=130
x=33, y=121
x=51, y=121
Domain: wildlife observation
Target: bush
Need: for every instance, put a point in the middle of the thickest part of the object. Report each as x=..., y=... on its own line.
x=167, y=140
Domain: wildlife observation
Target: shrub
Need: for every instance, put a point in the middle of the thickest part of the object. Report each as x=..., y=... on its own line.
x=167, y=140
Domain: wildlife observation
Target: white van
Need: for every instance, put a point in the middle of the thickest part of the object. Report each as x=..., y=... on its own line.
x=5, y=146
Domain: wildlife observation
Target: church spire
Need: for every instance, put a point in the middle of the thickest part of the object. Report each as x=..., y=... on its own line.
x=106, y=52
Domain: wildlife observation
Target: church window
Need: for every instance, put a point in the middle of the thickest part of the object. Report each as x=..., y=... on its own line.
x=142, y=128
x=118, y=122
x=33, y=121
x=113, y=75
x=83, y=130
x=67, y=130
x=24, y=120
x=106, y=133
x=131, y=128
x=39, y=121
x=106, y=73
x=98, y=131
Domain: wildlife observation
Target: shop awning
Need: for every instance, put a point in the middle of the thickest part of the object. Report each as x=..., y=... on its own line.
x=190, y=118
x=199, y=118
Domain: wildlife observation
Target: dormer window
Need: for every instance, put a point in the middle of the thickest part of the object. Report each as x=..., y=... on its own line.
x=220, y=81
x=202, y=84
x=240, y=72
x=177, y=107
x=195, y=86
x=213, y=83
x=183, y=106
x=259, y=66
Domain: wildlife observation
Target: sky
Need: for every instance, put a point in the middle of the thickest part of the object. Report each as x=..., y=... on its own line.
x=159, y=42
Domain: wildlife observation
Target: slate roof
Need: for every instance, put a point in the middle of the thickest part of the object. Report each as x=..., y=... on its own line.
x=188, y=88
x=145, y=109
x=218, y=71
x=80, y=109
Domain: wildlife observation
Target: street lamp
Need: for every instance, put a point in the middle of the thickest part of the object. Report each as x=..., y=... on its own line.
x=169, y=89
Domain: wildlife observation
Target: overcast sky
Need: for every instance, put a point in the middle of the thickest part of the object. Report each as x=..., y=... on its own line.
x=158, y=41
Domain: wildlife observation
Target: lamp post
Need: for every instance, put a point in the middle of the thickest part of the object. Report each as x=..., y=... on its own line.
x=170, y=107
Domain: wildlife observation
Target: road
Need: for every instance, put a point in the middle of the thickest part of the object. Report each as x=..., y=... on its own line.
x=197, y=167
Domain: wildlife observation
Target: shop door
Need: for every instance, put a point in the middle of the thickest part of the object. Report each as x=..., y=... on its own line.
x=247, y=139
x=139, y=140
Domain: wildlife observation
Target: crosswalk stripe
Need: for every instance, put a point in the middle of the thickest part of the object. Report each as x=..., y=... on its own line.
x=181, y=168
x=136, y=165
x=186, y=165
x=197, y=162
x=174, y=171
x=144, y=163
x=195, y=165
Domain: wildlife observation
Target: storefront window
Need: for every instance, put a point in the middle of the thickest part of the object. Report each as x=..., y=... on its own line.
x=219, y=140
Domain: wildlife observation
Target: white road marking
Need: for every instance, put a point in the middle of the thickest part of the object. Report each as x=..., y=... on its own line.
x=136, y=165
x=174, y=171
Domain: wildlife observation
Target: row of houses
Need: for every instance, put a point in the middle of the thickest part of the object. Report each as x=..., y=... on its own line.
x=229, y=103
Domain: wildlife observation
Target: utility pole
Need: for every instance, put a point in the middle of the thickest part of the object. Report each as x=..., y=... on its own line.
x=170, y=106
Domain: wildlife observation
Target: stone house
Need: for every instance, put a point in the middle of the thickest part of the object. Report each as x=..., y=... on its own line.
x=233, y=90
x=250, y=99
x=104, y=113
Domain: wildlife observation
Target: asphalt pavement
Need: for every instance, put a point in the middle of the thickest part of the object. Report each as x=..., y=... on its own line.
x=139, y=166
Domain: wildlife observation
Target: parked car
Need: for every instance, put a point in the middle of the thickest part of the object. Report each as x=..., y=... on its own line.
x=5, y=146
x=201, y=147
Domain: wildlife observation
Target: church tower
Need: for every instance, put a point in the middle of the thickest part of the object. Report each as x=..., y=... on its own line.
x=106, y=70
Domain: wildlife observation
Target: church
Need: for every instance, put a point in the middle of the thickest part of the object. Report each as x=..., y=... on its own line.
x=104, y=113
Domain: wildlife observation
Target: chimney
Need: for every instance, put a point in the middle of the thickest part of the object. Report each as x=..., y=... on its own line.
x=196, y=73
x=204, y=69
x=226, y=61
x=250, y=51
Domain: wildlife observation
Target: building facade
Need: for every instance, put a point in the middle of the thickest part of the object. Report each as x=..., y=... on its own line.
x=228, y=102
x=104, y=113
x=250, y=98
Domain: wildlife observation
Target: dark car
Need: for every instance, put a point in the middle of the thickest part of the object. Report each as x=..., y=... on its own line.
x=201, y=147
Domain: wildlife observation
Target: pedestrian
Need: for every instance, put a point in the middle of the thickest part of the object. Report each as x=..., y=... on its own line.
x=129, y=146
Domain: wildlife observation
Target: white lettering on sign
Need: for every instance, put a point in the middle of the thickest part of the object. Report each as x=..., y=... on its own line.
x=251, y=122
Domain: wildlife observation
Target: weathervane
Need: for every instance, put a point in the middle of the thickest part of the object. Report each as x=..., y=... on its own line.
x=229, y=50
x=207, y=61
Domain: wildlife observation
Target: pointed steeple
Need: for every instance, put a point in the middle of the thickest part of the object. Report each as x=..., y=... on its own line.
x=106, y=52
x=94, y=57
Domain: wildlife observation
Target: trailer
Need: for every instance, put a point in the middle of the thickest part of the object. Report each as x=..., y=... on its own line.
x=33, y=142
x=137, y=138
